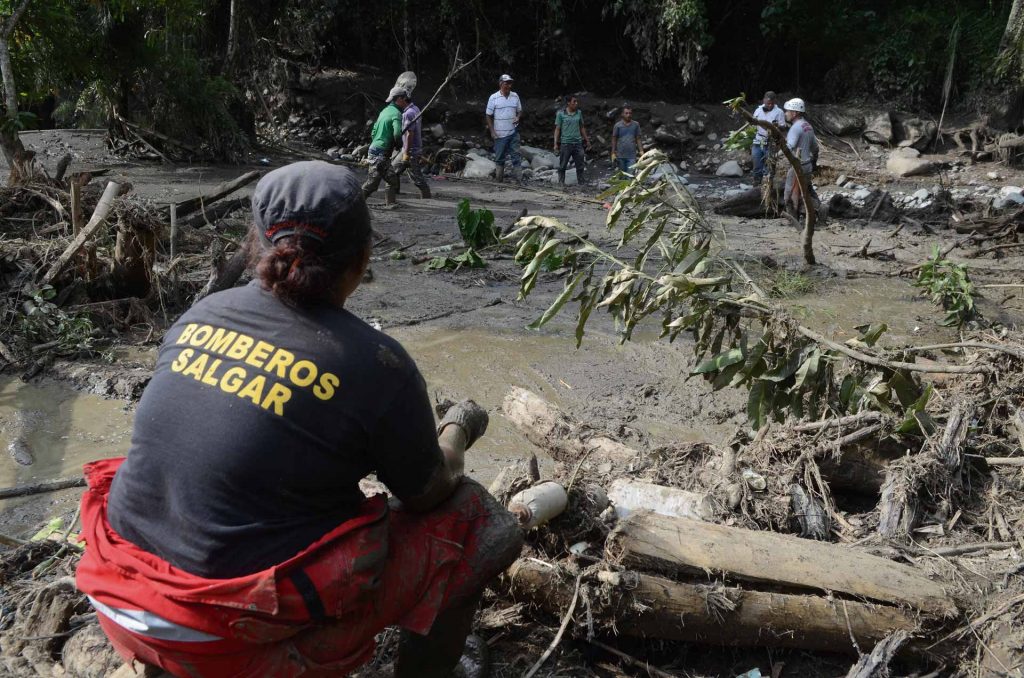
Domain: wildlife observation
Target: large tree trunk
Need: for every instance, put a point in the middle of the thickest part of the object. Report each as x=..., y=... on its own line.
x=651, y=541
x=643, y=606
x=1011, y=47
x=232, y=51
x=10, y=143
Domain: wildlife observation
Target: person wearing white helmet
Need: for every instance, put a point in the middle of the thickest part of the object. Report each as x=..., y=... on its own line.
x=804, y=144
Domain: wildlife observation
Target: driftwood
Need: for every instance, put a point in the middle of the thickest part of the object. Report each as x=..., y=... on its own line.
x=41, y=488
x=568, y=440
x=214, y=214
x=645, y=606
x=899, y=508
x=186, y=207
x=876, y=664
x=651, y=542
x=230, y=272
x=99, y=217
x=749, y=204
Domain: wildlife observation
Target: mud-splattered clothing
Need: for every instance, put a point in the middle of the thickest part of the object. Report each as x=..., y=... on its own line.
x=259, y=422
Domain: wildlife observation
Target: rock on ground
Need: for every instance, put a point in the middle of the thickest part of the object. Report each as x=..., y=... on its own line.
x=478, y=167
x=729, y=169
x=879, y=129
x=841, y=121
x=917, y=133
x=907, y=162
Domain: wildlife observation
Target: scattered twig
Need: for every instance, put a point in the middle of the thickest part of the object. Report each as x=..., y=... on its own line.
x=98, y=219
x=632, y=661
x=936, y=368
x=561, y=631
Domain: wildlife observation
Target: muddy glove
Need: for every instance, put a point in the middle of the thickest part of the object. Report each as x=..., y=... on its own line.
x=468, y=416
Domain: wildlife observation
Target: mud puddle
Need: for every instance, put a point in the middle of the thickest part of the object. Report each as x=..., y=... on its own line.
x=837, y=307
x=61, y=429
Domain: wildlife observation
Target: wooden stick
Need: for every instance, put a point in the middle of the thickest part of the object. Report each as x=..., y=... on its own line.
x=969, y=344
x=632, y=661
x=452, y=72
x=1002, y=461
x=41, y=488
x=876, y=664
x=862, y=418
x=937, y=368
x=878, y=206
x=971, y=548
x=98, y=219
x=561, y=630
x=219, y=191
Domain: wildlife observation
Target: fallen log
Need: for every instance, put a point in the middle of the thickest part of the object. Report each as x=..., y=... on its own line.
x=646, y=606
x=651, y=542
x=568, y=440
x=41, y=488
x=99, y=217
x=215, y=213
x=230, y=272
x=186, y=207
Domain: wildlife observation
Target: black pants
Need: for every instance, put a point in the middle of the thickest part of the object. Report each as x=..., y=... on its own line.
x=574, y=151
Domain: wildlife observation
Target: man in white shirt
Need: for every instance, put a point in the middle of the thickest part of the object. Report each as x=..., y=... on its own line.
x=503, y=112
x=768, y=112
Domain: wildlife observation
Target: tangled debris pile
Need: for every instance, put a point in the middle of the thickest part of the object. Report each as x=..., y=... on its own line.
x=83, y=263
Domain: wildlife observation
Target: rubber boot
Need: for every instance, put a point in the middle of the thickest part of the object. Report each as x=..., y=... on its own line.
x=517, y=175
x=561, y=178
x=391, y=197
x=424, y=192
x=499, y=174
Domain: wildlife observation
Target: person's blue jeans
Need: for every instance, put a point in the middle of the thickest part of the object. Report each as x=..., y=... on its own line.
x=508, y=146
x=624, y=164
x=760, y=153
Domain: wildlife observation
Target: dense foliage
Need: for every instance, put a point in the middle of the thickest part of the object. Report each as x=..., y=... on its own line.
x=195, y=69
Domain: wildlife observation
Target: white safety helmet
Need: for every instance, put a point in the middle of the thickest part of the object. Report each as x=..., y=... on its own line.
x=797, y=105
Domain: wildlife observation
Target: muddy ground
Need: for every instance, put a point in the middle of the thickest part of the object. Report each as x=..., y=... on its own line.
x=466, y=328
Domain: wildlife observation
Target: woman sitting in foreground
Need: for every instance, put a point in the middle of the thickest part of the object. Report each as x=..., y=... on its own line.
x=234, y=540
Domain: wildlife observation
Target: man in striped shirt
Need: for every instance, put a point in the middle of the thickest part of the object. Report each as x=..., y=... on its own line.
x=503, y=112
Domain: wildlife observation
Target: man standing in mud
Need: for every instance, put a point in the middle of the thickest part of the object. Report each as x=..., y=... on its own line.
x=570, y=137
x=771, y=113
x=503, y=113
x=412, y=148
x=386, y=135
x=804, y=144
x=626, y=144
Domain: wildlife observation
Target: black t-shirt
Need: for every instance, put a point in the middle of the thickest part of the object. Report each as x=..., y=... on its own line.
x=258, y=424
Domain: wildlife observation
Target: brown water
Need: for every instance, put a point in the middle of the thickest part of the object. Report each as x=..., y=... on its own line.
x=64, y=428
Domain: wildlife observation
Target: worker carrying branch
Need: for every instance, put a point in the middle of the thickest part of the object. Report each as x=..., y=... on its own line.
x=234, y=539
x=804, y=144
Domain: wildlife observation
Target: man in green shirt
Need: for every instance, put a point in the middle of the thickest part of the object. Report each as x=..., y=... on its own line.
x=386, y=136
x=570, y=137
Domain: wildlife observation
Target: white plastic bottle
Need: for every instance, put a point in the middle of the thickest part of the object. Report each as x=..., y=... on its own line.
x=538, y=504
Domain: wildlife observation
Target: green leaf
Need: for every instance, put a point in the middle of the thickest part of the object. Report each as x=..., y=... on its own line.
x=787, y=368
x=808, y=371
x=726, y=376
x=558, y=303
x=759, y=404
x=724, y=359
x=54, y=526
x=586, y=306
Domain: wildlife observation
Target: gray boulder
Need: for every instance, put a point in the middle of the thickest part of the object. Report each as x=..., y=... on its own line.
x=478, y=167
x=729, y=169
x=907, y=162
x=437, y=129
x=841, y=121
x=917, y=133
x=878, y=129
x=455, y=144
x=668, y=136
x=696, y=126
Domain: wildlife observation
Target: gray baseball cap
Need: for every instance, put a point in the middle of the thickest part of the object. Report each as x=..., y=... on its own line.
x=396, y=92
x=314, y=199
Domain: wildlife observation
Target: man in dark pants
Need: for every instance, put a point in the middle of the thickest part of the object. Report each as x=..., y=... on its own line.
x=571, y=139
x=386, y=136
x=412, y=148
